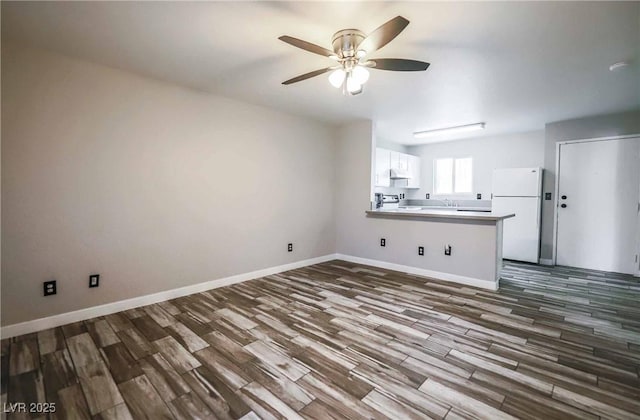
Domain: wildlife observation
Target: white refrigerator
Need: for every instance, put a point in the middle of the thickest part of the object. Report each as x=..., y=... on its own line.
x=519, y=191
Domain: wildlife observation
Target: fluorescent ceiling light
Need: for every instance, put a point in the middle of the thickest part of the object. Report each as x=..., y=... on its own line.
x=448, y=130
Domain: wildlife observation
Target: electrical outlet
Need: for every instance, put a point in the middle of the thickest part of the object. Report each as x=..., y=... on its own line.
x=290, y=247
x=427, y=195
x=420, y=250
x=383, y=242
x=49, y=288
x=479, y=196
x=447, y=250
x=94, y=280
x=547, y=196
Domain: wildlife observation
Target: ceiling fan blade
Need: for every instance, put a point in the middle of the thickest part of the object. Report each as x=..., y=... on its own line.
x=307, y=75
x=316, y=49
x=383, y=35
x=398, y=64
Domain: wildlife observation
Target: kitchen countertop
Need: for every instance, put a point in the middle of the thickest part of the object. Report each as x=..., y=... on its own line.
x=458, y=208
x=439, y=214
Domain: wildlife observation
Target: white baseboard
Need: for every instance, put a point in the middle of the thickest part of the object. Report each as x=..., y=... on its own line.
x=122, y=305
x=438, y=275
x=545, y=261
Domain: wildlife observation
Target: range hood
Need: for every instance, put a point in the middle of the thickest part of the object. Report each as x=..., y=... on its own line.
x=399, y=174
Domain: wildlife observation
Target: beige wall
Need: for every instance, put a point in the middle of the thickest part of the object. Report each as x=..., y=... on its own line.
x=156, y=187
x=354, y=191
x=618, y=124
x=151, y=185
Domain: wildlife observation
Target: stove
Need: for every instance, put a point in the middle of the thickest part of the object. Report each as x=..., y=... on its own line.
x=390, y=201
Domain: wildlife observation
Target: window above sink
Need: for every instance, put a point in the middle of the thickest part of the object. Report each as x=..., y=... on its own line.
x=453, y=176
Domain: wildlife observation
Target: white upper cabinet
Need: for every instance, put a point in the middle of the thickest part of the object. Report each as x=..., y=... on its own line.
x=389, y=159
x=383, y=167
x=399, y=161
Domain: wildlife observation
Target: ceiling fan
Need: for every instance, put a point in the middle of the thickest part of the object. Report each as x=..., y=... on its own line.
x=350, y=49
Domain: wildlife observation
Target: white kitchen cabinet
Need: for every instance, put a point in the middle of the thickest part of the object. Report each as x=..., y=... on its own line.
x=399, y=161
x=414, y=172
x=383, y=167
x=390, y=159
x=411, y=166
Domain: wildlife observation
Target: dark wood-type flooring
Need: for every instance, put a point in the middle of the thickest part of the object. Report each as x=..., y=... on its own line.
x=340, y=340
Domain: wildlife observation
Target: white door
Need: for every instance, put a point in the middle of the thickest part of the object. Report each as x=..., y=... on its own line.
x=598, y=189
x=521, y=234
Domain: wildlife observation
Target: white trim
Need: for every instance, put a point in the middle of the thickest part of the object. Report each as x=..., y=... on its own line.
x=620, y=137
x=546, y=261
x=438, y=275
x=556, y=191
x=113, y=307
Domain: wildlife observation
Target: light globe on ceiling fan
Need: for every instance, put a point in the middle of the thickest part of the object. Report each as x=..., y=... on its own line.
x=355, y=78
x=350, y=47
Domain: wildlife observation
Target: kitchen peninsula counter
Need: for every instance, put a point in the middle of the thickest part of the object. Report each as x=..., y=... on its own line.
x=457, y=245
x=439, y=214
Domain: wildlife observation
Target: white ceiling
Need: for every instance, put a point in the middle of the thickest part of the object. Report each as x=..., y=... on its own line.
x=514, y=66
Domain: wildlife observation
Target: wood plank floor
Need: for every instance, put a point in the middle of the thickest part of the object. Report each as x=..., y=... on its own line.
x=340, y=340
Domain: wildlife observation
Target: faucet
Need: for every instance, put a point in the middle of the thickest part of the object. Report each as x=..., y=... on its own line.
x=448, y=202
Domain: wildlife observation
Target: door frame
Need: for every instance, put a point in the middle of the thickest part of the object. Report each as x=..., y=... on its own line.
x=556, y=201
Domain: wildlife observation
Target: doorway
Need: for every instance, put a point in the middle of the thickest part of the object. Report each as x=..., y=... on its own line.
x=598, y=205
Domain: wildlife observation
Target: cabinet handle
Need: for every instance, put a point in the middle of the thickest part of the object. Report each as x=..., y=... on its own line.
x=564, y=206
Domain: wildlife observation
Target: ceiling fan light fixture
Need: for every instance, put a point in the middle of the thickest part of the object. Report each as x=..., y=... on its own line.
x=353, y=86
x=350, y=47
x=449, y=130
x=360, y=74
x=336, y=78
